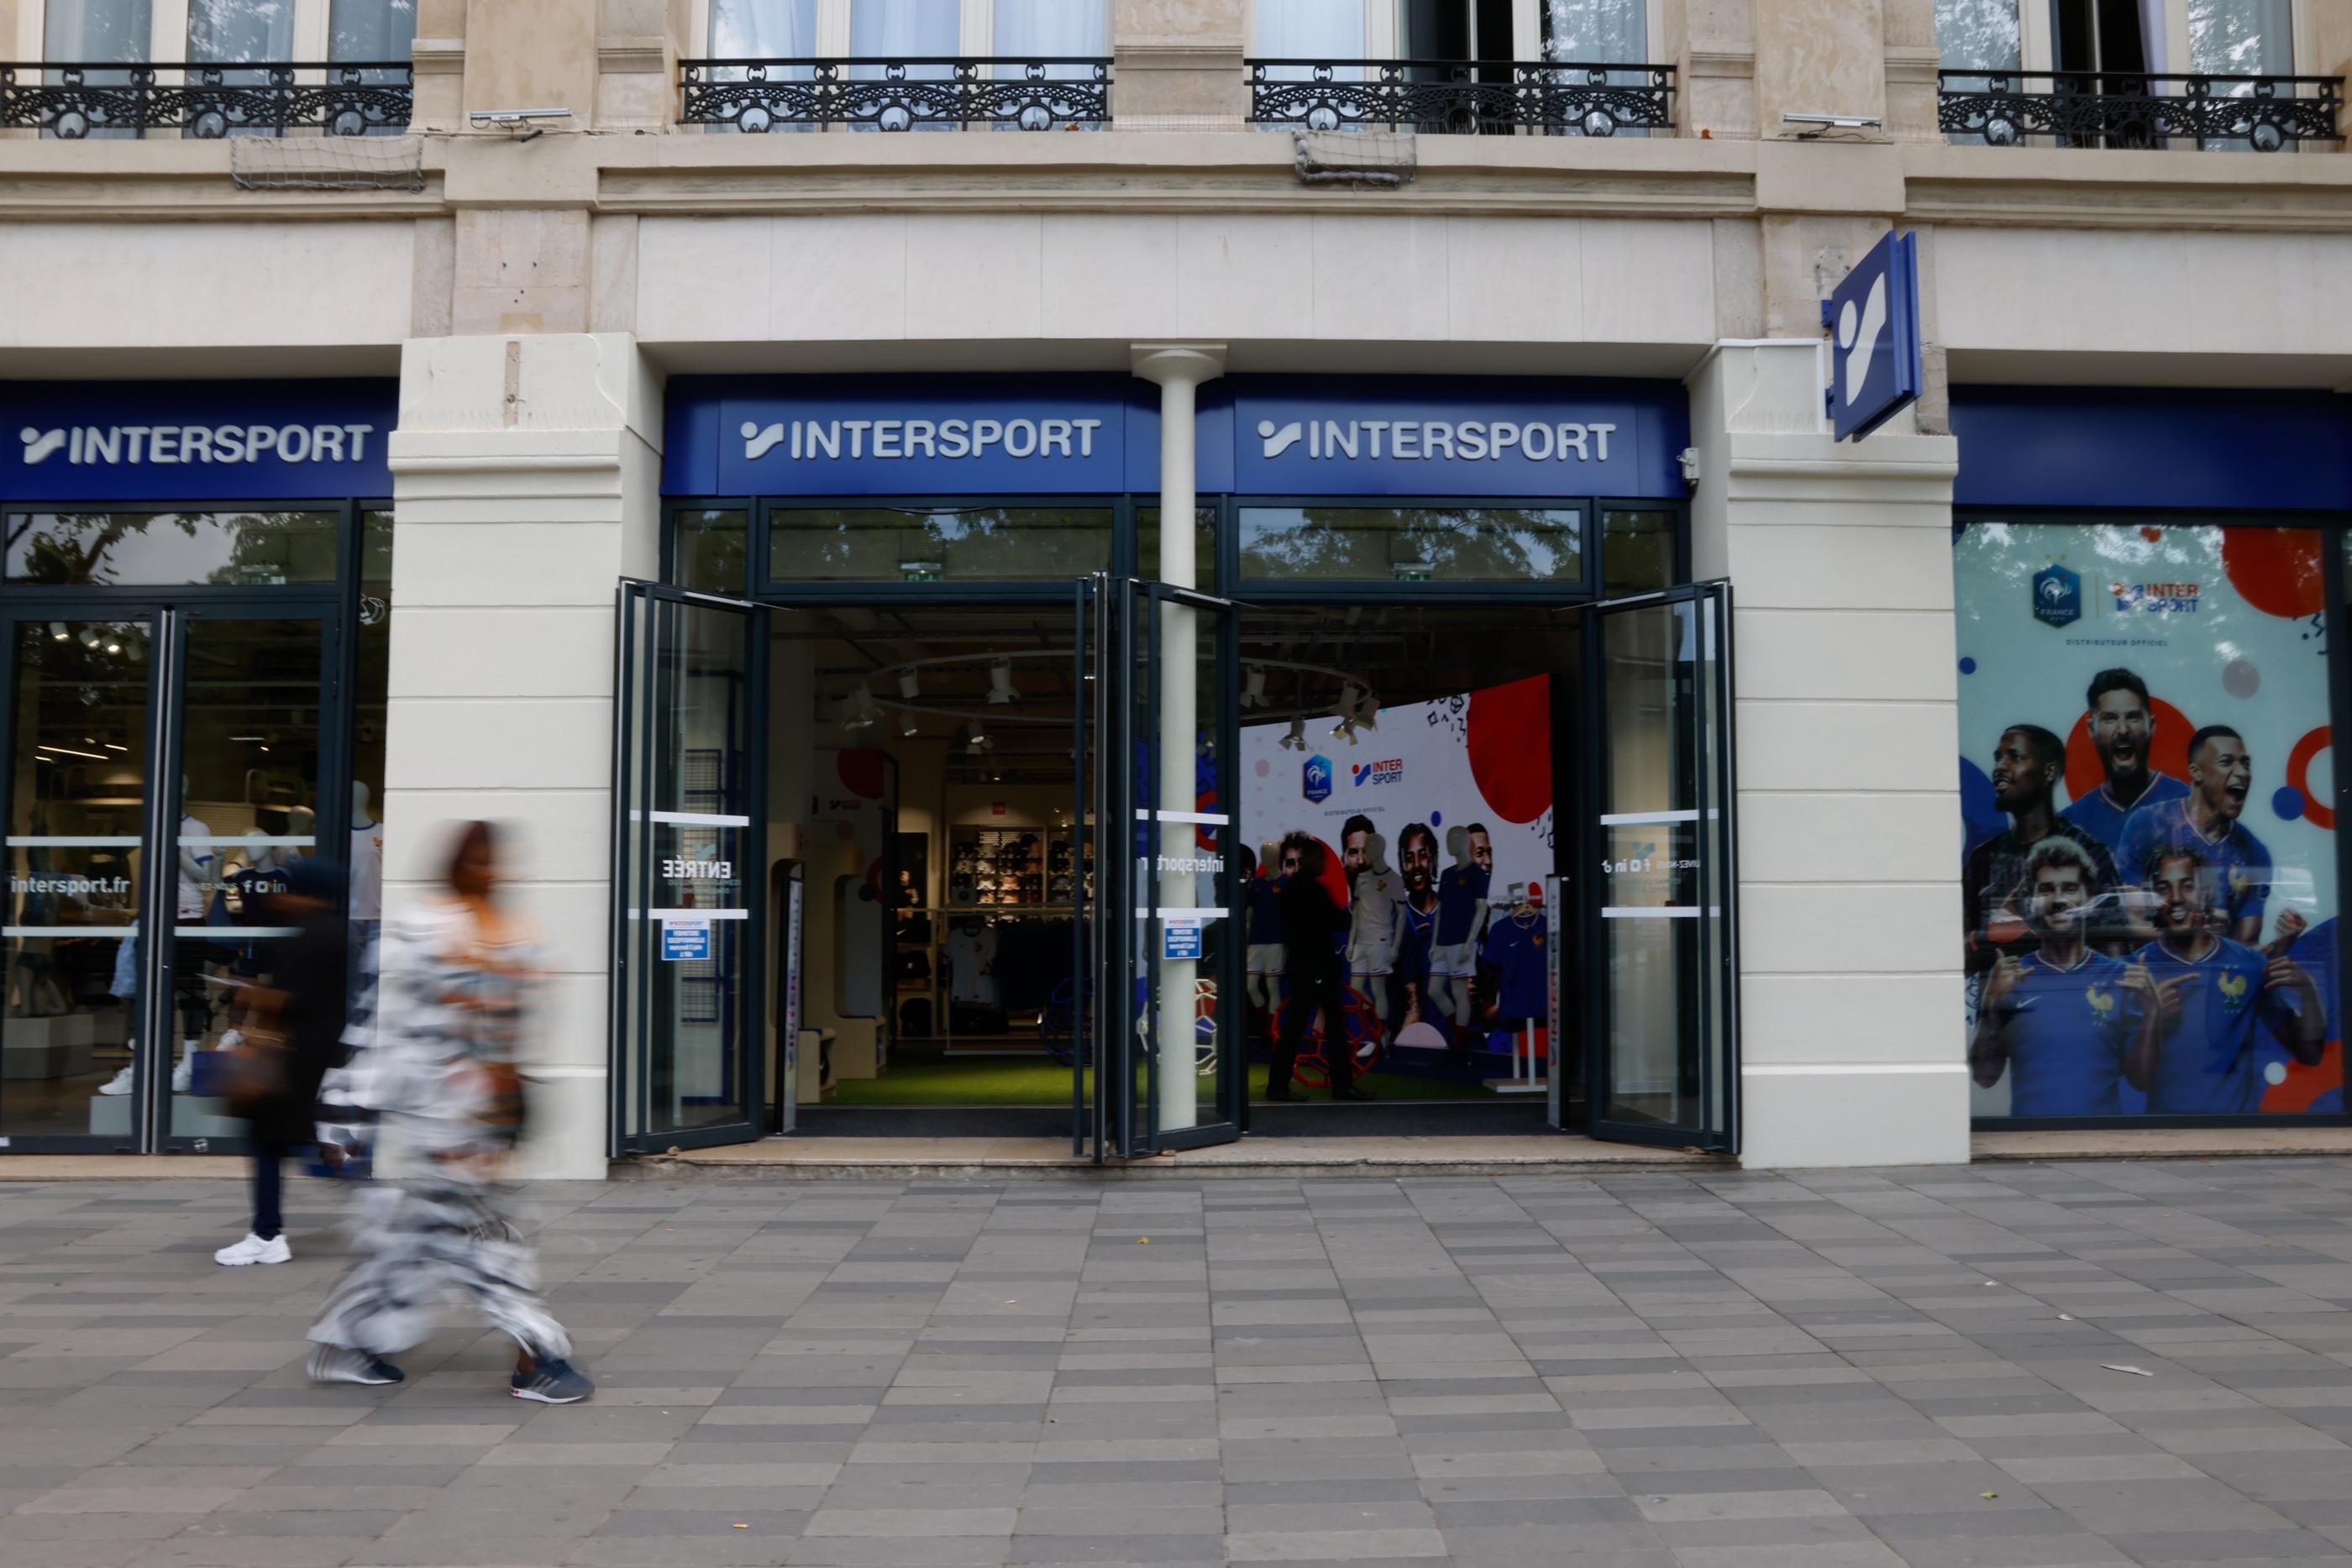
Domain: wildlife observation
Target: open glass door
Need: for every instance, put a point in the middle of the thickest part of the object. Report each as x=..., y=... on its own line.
x=1662, y=1002
x=686, y=830
x=1178, y=1081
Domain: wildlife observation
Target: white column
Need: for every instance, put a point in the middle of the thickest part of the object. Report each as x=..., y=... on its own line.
x=526, y=474
x=1177, y=370
x=1840, y=555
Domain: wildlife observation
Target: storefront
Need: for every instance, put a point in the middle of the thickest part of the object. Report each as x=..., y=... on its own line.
x=922, y=639
x=193, y=626
x=2148, y=590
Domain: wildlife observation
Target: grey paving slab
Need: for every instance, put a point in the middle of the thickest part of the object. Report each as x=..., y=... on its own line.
x=1659, y=1370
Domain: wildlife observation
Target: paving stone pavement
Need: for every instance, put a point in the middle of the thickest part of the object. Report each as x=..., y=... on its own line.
x=1639, y=1370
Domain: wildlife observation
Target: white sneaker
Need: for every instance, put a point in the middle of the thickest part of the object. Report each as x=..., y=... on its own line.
x=183, y=1076
x=117, y=1084
x=254, y=1249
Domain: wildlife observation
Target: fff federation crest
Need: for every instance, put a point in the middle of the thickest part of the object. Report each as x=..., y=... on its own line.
x=2057, y=596
x=1314, y=779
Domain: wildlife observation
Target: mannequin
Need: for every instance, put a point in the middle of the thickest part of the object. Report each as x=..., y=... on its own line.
x=1461, y=922
x=199, y=866
x=1263, y=949
x=366, y=858
x=1375, y=932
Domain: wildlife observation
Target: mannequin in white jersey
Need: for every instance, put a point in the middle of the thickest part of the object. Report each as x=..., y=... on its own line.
x=1461, y=922
x=1374, y=929
x=366, y=858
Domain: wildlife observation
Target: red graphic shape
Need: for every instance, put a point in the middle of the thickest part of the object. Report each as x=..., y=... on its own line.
x=2168, y=752
x=1334, y=877
x=2306, y=1084
x=2298, y=775
x=1510, y=748
x=861, y=772
x=2276, y=569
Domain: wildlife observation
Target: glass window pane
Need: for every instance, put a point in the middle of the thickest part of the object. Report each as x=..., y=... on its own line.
x=77, y=32
x=240, y=31
x=1412, y=543
x=1977, y=35
x=1204, y=546
x=2242, y=38
x=367, y=717
x=218, y=549
x=370, y=29
x=763, y=29
x=1597, y=32
x=1637, y=550
x=2146, y=784
x=709, y=550
x=1308, y=29
x=78, y=792
x=1051, y=27
x=971, y=543
x=883, y=30
x=249, y=810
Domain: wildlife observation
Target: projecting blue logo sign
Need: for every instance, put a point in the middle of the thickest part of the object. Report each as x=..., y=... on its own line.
x=1876, y=366
x=1315, y=779
x=2057, y=596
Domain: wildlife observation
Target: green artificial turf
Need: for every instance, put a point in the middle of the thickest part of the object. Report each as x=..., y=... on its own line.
x=929, y=1079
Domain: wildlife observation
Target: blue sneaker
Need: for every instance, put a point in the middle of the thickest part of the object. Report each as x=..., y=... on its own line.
x=334, y=1363
x=552, y=1382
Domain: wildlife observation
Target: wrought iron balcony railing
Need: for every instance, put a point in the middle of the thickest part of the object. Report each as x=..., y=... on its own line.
x=1463, y=98
x=2110, y=109
x=346, y=97
x=1031, y=93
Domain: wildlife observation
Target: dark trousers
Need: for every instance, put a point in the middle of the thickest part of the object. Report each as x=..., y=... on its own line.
x=269, y=1189
x=1308, y=994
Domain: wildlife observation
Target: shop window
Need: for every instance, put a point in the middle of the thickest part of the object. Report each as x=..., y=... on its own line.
x=1204, y=546
x=2145, y=781
x=1637, y=550
x=369, y=712
x=708, y=549
x=255, y=549
x=1411, y=544
x=944, y=544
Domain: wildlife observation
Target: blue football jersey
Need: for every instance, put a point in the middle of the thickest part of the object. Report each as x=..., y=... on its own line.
x=2097, y=814
x=2237, y=866
x=2067, y=1030
x=1514, y=948
x=1459, y=889
x=2208, y=1064
x=1265, y=908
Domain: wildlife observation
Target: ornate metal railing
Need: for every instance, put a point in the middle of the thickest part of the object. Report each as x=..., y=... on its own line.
x=207, y=101
x=1035, y=93
x=1462, y=98
x=2109, y=108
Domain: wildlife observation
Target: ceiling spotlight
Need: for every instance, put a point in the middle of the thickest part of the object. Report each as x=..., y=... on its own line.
x=1253, y=689
x=1297, y=739
x=86, y=638
x=1345, y=730
x=908, y=723
x=112, y=646
x=999, y=684
x=58, y=630
x=978, y=741
x=910, y=686
x=863, y=713
x=134, y=650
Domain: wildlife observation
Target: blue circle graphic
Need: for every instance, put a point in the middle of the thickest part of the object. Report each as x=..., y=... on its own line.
x=2287, y=801
x=1968, y=666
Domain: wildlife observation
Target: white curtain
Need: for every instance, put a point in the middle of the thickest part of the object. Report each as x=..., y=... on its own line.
x=1973, y=35
x=1051, y=27
x=2242, y=38
x=2152, y=35
x=900, y=28
x=91, y=30
x=1308, y=29
x=763, y=29
x=1597, y=32
x=370, y=29
x=240, y=30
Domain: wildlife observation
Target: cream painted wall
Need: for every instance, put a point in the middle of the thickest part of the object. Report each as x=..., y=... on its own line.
x=1123, y=278
x=241, y=286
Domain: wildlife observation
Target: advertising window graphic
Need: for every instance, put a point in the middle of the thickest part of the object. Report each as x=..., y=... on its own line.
x=2147, y=885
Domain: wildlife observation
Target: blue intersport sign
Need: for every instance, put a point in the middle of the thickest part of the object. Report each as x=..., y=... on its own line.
x=1876, y=368
x=195, y=441
x=1440, y=436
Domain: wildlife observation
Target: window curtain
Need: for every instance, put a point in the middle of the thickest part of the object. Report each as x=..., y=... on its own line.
x=1596, y=32
x=2152, y=35
x=905, y=29
x=1307, y=30
x=80, y=32
x=1076, y=28
x=764, y=30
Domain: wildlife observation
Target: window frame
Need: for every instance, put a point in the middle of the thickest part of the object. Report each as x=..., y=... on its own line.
x=975, y=31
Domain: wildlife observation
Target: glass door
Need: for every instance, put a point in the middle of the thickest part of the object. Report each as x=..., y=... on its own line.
x=79, y=730
x=1177, y=1082
x=1662, y=1002
x=686, y=1031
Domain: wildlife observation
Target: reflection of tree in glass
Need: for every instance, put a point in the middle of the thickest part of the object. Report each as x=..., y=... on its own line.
x=99, y=548
x=1467, y=543
x=1977, y=32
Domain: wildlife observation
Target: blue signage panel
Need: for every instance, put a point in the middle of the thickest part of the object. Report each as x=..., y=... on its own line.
x=1419, y=435
x=2198, y=448
x=1876, y=369
x=907, y=436
x=685, y=941
x=1180, y=939
x=195, y=441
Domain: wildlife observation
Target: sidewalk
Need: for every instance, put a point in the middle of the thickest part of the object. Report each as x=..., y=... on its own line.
x=1649, y=1367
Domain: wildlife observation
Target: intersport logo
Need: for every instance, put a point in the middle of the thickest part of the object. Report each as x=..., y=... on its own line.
x=1437, y=439
x=112, y=445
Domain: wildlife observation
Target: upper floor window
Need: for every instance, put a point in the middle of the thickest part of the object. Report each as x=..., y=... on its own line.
x=1973, y=35
x=1596, y=32
x=2242, y=38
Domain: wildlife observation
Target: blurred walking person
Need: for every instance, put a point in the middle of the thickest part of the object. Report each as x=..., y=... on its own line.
x=291, y=1036
x=453, y=981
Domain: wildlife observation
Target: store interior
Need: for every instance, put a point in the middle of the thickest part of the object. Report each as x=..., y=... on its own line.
x=922, y=780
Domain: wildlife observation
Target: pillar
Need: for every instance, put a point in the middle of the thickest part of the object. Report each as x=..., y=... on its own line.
x=525, y=474
x=1177, y=370
x=1851, y=1025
